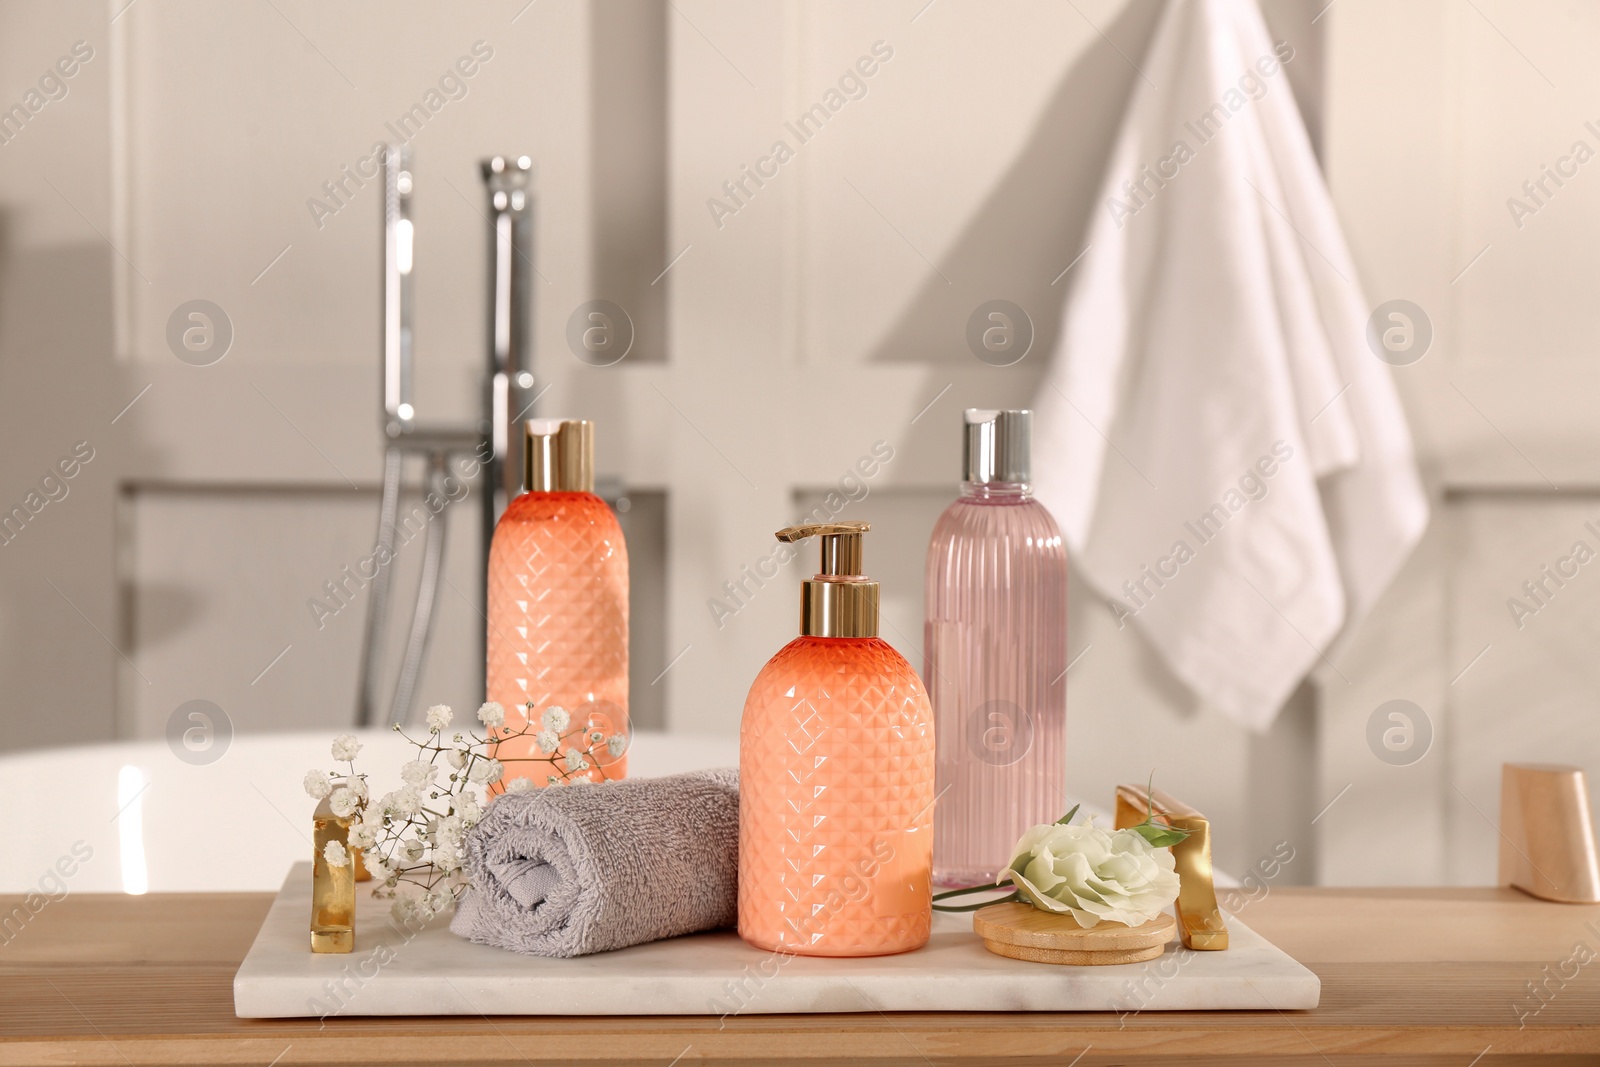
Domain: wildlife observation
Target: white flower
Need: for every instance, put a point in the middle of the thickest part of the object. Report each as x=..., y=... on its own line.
x=520, y=785
x=596, y=737
x=342, y=802
x=363, y=836
x=318, y=784
x=457, y=758
x=418, y=773
x=492, y=714
x=580, y=779
x=467, y=807
x=438, y=717
x=402, y=803
x=438, y=900
x=486, y=770
x=548, y=741
x=1092, y=874
x=410, y=911
x=556, y=719
x=335, y=855
x=575, y=761
x=345, y=747
x=551, y=779
x=358, y=786
x=617, y=744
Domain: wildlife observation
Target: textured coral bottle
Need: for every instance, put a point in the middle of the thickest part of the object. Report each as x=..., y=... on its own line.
x=995, y=648
x=836, y=777
x=558, y=605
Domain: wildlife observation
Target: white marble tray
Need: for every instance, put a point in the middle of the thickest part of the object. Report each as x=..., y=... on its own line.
x=433, y=972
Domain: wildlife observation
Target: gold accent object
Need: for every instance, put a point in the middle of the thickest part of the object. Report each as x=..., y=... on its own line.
x=1021, y=931
x=558, y=456
x=1547, y=846
x=837, y=601
x=1199, y=919
x=333, y=889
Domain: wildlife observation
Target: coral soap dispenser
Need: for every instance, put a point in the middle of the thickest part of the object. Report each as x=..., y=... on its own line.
x=836, y=777
x=558, y=610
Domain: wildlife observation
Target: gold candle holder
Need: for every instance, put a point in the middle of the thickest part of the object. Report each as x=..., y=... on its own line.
x=1547, y=846
x=333, y=889
x=1199, y=919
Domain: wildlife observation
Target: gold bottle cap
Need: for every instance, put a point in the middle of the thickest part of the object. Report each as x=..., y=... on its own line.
x=838, y=601
x=558, y=456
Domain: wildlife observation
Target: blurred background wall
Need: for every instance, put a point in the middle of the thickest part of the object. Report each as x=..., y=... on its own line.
x=778, y=340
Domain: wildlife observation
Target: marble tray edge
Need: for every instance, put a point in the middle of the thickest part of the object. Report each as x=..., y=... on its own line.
x=262, y=994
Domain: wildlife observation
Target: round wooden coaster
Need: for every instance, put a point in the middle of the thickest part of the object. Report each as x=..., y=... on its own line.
x=1099, y=958
x=1021, y=931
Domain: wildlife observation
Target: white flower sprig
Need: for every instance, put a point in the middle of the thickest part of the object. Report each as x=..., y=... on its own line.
x=412, y=839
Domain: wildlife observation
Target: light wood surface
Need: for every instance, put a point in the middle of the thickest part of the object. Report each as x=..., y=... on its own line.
x=1417, y=976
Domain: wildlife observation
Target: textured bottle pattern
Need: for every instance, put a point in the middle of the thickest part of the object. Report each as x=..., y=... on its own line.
x=995, y=663
x=558, y=621
x=836, y=802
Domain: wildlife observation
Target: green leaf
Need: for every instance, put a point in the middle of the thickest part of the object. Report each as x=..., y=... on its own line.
x=1158, y=835
x=1008, y=898
x=993, y=887
x=1068, y=817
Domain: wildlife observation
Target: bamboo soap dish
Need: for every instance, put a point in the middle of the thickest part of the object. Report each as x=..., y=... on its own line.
x=1023, y=932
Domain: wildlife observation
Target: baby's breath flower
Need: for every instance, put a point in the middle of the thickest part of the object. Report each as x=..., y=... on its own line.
x=413, y=839
x=418, y=772
x=548, y=741
x=408, y=911
x=342, y=802
x=438, y=717
x=467, y=811
x=617, y=744
x=575, y=761
x=402, y=803
x=487, y=771
x=557, y=719
x=335, y=855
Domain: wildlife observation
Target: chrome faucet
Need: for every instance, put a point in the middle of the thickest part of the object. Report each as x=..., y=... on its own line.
x=509, y=397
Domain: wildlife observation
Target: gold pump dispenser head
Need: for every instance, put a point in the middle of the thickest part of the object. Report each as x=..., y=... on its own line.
x=837, y=601
x=558, y=456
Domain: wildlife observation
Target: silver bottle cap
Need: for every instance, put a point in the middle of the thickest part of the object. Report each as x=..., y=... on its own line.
x=996, y=447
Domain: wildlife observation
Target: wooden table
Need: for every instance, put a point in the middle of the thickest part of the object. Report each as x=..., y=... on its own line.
x=1408, y=976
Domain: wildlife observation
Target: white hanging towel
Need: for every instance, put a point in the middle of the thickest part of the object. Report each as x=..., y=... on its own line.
x=1226, y=455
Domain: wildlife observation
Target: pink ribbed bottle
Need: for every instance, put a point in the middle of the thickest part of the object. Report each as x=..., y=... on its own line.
x=558, y=607
x=995, y=656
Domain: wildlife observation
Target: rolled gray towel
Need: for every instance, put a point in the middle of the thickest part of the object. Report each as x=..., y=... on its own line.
x=578, y=869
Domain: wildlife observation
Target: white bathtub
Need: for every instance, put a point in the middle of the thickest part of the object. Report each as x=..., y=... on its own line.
x=134, y=818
